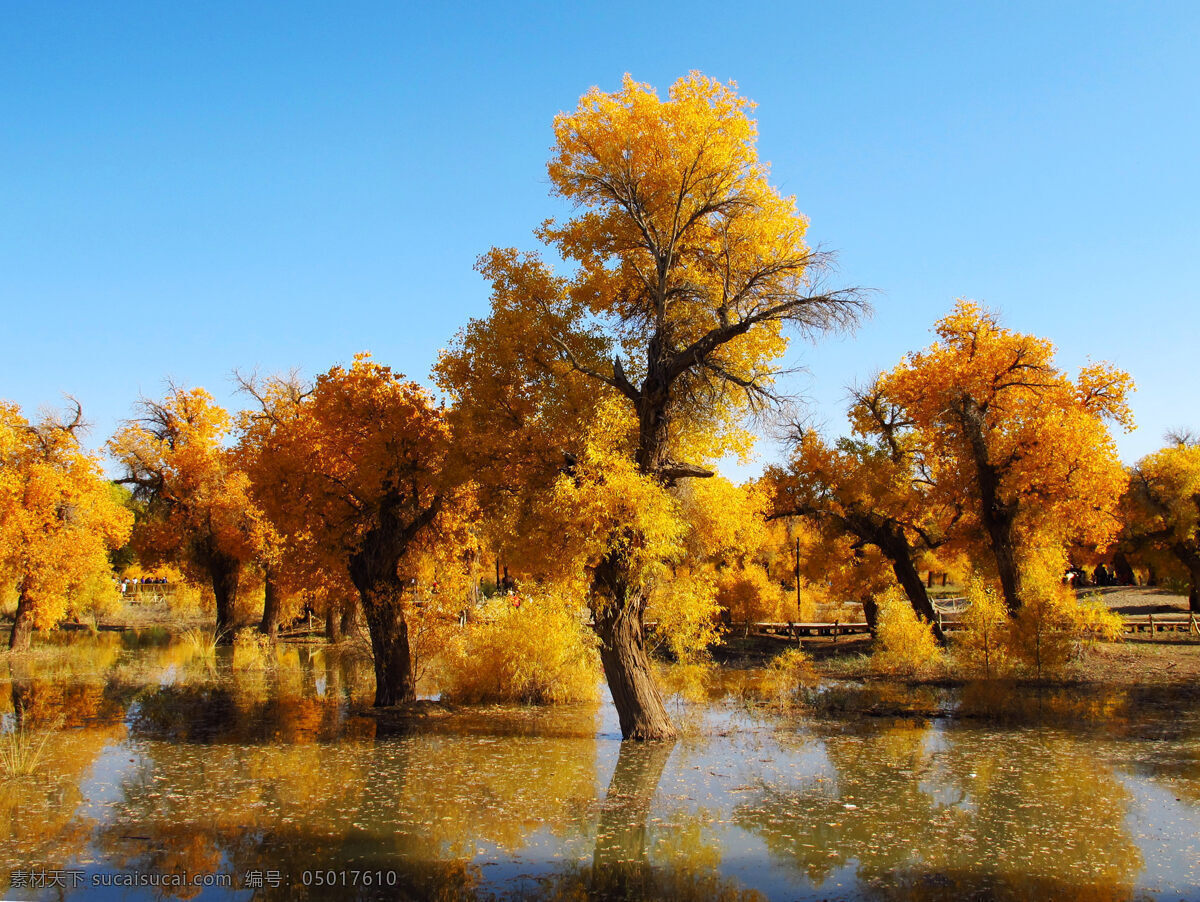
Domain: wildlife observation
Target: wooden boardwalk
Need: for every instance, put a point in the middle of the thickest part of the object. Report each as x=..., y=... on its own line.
x=1151, y=624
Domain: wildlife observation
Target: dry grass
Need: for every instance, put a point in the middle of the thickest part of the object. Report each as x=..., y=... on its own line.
x=22, y=749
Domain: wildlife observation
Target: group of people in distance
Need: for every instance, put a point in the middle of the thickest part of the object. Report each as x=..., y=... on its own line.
x=136, y=581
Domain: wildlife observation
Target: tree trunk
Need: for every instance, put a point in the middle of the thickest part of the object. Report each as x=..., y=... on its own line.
x=333, y=625
x=395, y=683
x=997, y=516
x=22, y=628
x=271, y=605
x=999, y=527
x=1190, y=558
x=618, y=613
x=871, y=613
x=347, y=618
x=225, y=573
x=374, y=570
x=895, y=546
x=888, y=536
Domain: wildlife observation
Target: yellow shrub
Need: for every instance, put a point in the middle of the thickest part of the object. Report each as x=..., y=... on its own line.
x=97, y=596
x=981, y=647
x=903, y=644
x=685, y=614
x=252, y=650
x=188, y=600
x=787, y=673
x=749, y=594
x=539, y=653
x=1044, y=635
x=1096, y=621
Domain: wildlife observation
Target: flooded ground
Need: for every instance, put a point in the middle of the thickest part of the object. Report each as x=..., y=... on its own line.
x=258, y=779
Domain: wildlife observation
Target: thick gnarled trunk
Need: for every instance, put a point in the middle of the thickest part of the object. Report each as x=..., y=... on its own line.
x=899, y=553
x=225, y=573
x=998, y=517
x=271, y=606
x=373, y=570
x=395, y=682
x=617, y=615
x=999, y=525
x=889, y=537
x=22, y=629
x=333, y=625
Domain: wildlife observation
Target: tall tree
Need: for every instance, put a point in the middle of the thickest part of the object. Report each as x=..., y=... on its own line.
x=1025, y=448
x=358, y=483
x=199, y=513
x=689, y=267
x=262, y=443
x=58, y=518
x=1162, y=511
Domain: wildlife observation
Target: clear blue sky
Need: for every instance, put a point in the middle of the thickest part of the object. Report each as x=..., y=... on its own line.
x=190, y=187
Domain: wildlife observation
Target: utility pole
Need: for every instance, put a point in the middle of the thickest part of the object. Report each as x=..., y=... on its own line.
x=797, y=576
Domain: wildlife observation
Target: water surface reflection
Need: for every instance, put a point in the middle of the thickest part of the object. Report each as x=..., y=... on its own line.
x=168, y=760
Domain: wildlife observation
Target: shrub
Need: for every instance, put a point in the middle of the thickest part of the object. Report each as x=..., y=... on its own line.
x=749, y=594
x=981, y=647
x=252, y=650
x=787, y=673
x=904, y=644
x=201, y=644
x=540, y=652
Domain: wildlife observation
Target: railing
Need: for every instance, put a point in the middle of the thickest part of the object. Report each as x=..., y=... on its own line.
x=950, y=621
x=1161, y=623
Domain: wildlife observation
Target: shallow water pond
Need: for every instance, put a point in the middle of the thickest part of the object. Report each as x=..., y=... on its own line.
x=175, y=775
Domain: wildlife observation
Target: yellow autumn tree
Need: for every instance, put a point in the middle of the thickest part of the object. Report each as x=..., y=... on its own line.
x=199, y=514
x=357, y=481
x=1162, y=512
x=688, y=268
x=1024, y=448
x=871, y=490
x=58, y=519
x=289, y=582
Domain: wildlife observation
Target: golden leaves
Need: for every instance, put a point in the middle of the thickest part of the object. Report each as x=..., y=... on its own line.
x=58, y=517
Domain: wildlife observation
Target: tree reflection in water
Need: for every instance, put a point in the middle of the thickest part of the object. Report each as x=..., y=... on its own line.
x=953, y=814
x=170, y=761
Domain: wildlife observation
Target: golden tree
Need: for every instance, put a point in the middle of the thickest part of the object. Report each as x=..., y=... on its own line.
x=357, y=482
x=1024, y=448
x=263, y=446
x=872, y=491
x=689, y=267
x=58, y=518
x=199, y=514
x=1162, y=511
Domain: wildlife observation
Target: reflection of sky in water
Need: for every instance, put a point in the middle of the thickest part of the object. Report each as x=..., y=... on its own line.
x=180, y=765
x=1167, y=828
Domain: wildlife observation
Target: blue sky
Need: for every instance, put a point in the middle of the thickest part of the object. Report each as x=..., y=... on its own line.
x=188, y=187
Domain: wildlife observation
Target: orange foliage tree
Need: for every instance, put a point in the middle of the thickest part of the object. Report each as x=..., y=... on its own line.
x=357, y=482
x=199, y=514
x=58, y=518
x=262, y=446
x=688, y=269
x=1026, y=449
x=874, y=489
x=1162, y=511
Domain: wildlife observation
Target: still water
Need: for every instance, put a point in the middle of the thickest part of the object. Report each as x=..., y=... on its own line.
x=274, y=782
